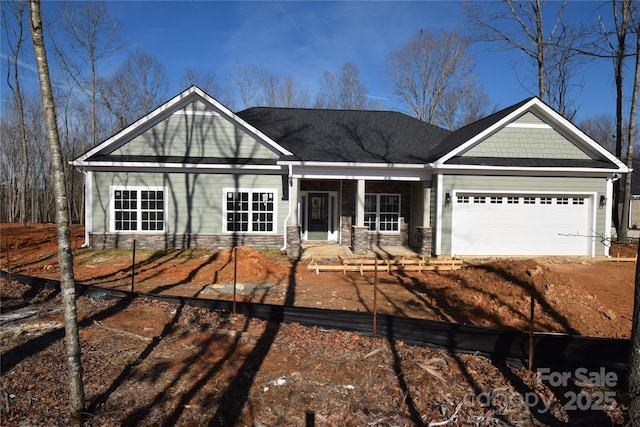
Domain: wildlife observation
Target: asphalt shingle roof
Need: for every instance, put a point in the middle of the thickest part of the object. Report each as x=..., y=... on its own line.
x=347, y=135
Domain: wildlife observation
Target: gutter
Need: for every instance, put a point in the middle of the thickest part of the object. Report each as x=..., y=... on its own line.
x=286, y=220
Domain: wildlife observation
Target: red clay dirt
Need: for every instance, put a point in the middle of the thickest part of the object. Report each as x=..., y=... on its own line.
x=148, y=363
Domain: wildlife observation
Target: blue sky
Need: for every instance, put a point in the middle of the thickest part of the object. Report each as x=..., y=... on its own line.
x=304, y=39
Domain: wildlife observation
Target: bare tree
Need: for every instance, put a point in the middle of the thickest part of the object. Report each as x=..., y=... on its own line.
x=343, y=90
x=249, y=80
x=91, y=36
x=555, y=55
x=14, y=41
x=139, y=86
x=65, y=256
x=633, y=386
x=622, y=15
x=602, y=129
x=430, y=70
x=208, y=83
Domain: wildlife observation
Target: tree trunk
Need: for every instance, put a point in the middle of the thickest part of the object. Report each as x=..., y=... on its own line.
x=633, y=386
x=65, y=256
x=634, y=356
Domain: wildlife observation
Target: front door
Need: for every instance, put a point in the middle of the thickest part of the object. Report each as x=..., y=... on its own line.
x=318, y=216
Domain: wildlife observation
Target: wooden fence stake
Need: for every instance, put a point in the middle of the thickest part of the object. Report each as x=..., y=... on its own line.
x=8, y=259
x=235, y=270
x=133, y=267
x=531, y=319
x=375, y=298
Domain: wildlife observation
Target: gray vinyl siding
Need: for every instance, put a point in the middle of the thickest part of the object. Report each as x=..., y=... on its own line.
x=529, y=118
x=199, y=194
x=533, y=143
x=519, y=185
x=192, y=132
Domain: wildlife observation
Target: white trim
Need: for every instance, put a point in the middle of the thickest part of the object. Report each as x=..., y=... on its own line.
x=139, y=188
x=332, y=235
x=168, y=108
x=88, y=205
x=529, y=125
x=566, y=170
x=195, y=113
x=224, y=211
x=438, y=216
x=353, y=164
x=163, y=165
x=608, y=214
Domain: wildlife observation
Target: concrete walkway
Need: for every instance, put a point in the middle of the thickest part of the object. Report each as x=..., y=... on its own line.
x=333, y=251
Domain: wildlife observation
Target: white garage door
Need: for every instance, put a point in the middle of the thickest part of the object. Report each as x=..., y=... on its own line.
x=512, y=224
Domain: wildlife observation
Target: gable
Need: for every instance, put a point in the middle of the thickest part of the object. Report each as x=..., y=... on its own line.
x=195, y=131
x=527, y=137
x=190, y=130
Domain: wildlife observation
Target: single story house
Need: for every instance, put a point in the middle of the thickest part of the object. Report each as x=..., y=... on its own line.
x=522, y=181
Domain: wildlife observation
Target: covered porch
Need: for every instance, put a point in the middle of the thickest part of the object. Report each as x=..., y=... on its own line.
x=384, y=218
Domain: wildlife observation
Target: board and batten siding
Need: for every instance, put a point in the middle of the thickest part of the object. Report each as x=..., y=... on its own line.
x=199, y=194
x=196, y=131
x=519, y=185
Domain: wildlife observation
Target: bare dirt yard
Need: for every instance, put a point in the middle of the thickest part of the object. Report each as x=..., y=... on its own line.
x=150, y=363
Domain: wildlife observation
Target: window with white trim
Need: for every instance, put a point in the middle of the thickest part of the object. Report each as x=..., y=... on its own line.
x=463, y=199
x=529, y=200
x=562, y=201
x=251, y=211
x=382, y=212
x=138, y=209
x=513, y=200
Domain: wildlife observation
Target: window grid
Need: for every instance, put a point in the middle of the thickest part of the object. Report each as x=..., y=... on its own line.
x=496, y=200
x=562, y=201
x=262, y=205
x=513, y=200
x=250, y=211
x=152, y=210
x=529, y=200
x=138, y=209
x=578, y=200
x=126, y=210
x=382, y=212
x=463, y=199
x=545, y=200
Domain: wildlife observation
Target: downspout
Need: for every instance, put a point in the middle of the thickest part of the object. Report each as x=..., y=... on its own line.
x=87, y=211
x=609, y=197
x=286, y=220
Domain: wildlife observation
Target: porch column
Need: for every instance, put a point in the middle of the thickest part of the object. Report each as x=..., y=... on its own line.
x=424, y=235
x=294, y=199
x=360, y=233
x=360, y=203
x=294, y=243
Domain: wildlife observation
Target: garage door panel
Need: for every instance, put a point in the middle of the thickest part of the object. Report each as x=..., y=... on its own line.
x=560, y=226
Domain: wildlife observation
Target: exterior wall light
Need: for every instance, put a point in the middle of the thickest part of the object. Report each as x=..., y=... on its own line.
x=447, y=199
x=603, y=201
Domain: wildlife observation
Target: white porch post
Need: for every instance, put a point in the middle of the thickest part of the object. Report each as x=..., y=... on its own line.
x=294, y=194
x=426, y=204
x=360, y=203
